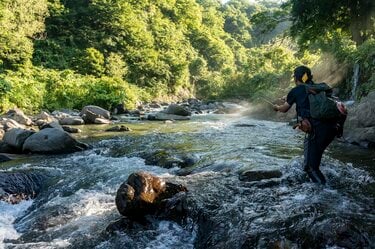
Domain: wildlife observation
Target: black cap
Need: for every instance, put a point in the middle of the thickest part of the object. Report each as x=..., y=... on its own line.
x=299, y=73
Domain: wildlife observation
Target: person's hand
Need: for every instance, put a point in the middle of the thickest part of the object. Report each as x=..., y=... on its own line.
x=275, y=108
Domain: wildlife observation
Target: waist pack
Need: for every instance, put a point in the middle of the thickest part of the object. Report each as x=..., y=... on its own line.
x=322, y=106
x=304, y=125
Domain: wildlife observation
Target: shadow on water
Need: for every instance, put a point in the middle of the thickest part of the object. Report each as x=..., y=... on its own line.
x=75, y=208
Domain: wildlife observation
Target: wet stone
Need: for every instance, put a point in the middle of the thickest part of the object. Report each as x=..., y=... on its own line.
x=119, y=128
x=258, y=175
x=144, y=193
x=15, y=187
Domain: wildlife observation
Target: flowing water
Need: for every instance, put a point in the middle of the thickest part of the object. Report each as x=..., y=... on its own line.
x=355, y=80
x=77, y=203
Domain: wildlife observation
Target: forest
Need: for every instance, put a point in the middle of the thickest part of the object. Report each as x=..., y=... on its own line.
x=69, y=53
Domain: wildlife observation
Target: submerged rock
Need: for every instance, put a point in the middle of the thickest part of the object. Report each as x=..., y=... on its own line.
x=15, y=187
x=119, y=128
x=71, y=129
x=257, y=175
x=164, y=116
x=4, y=158
x=168, y=160
x=144, y=194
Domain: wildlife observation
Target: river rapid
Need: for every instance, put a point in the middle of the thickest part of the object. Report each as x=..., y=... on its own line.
x=78, y=201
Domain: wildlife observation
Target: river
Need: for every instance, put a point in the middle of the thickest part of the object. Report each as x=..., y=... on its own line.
x=78, y=200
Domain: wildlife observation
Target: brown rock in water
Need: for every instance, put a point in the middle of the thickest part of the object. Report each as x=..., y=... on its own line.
x=119, y=128
x=144, y=194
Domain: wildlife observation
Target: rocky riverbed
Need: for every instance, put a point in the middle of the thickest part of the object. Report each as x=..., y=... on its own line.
x=244, y=181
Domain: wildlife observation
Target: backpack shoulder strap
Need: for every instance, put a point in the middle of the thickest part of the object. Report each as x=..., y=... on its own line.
x=317, y=88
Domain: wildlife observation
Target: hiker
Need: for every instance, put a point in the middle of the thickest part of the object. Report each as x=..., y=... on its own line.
x=320, y=133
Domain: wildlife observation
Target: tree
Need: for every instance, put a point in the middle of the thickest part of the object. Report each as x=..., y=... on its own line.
x=237, y=22
x=314, y=18
x=21, y=21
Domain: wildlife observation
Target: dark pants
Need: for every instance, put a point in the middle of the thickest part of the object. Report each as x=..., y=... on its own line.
x=315, y=143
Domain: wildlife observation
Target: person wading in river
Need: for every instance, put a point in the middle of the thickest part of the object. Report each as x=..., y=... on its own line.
x=320, y=132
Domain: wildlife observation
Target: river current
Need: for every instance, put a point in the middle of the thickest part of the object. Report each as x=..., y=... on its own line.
x=78, y=201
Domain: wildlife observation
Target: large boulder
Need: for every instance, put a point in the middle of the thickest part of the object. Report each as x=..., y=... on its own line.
x=144, y=194
x=365, y=112
x=72, y=120
x=364, y=137
x=16, y=137
x=90, y=113
x=18, y=115
x=360, y=124
x=177, y=110
x=52, y=141
x=6, y=148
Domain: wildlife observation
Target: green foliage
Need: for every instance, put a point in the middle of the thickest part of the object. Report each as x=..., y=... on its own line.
x=92, y=62
x=266, y=21
x=107, y=52
x=314, y=18
x=237, y=21
x=267, y=73
x=115, y=66
x=20, y=22
x=5, y=87
x=33, y=89
x=26, y=91
x=365, y=56
x=210, y=86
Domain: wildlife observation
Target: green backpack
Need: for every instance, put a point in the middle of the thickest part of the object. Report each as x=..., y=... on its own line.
x=321, y=106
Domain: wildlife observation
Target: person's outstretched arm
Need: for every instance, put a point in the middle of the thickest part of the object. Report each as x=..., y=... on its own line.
x=282, y=108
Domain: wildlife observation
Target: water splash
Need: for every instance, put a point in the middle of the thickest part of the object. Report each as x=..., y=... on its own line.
x=355, y=80
x=8, y=214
